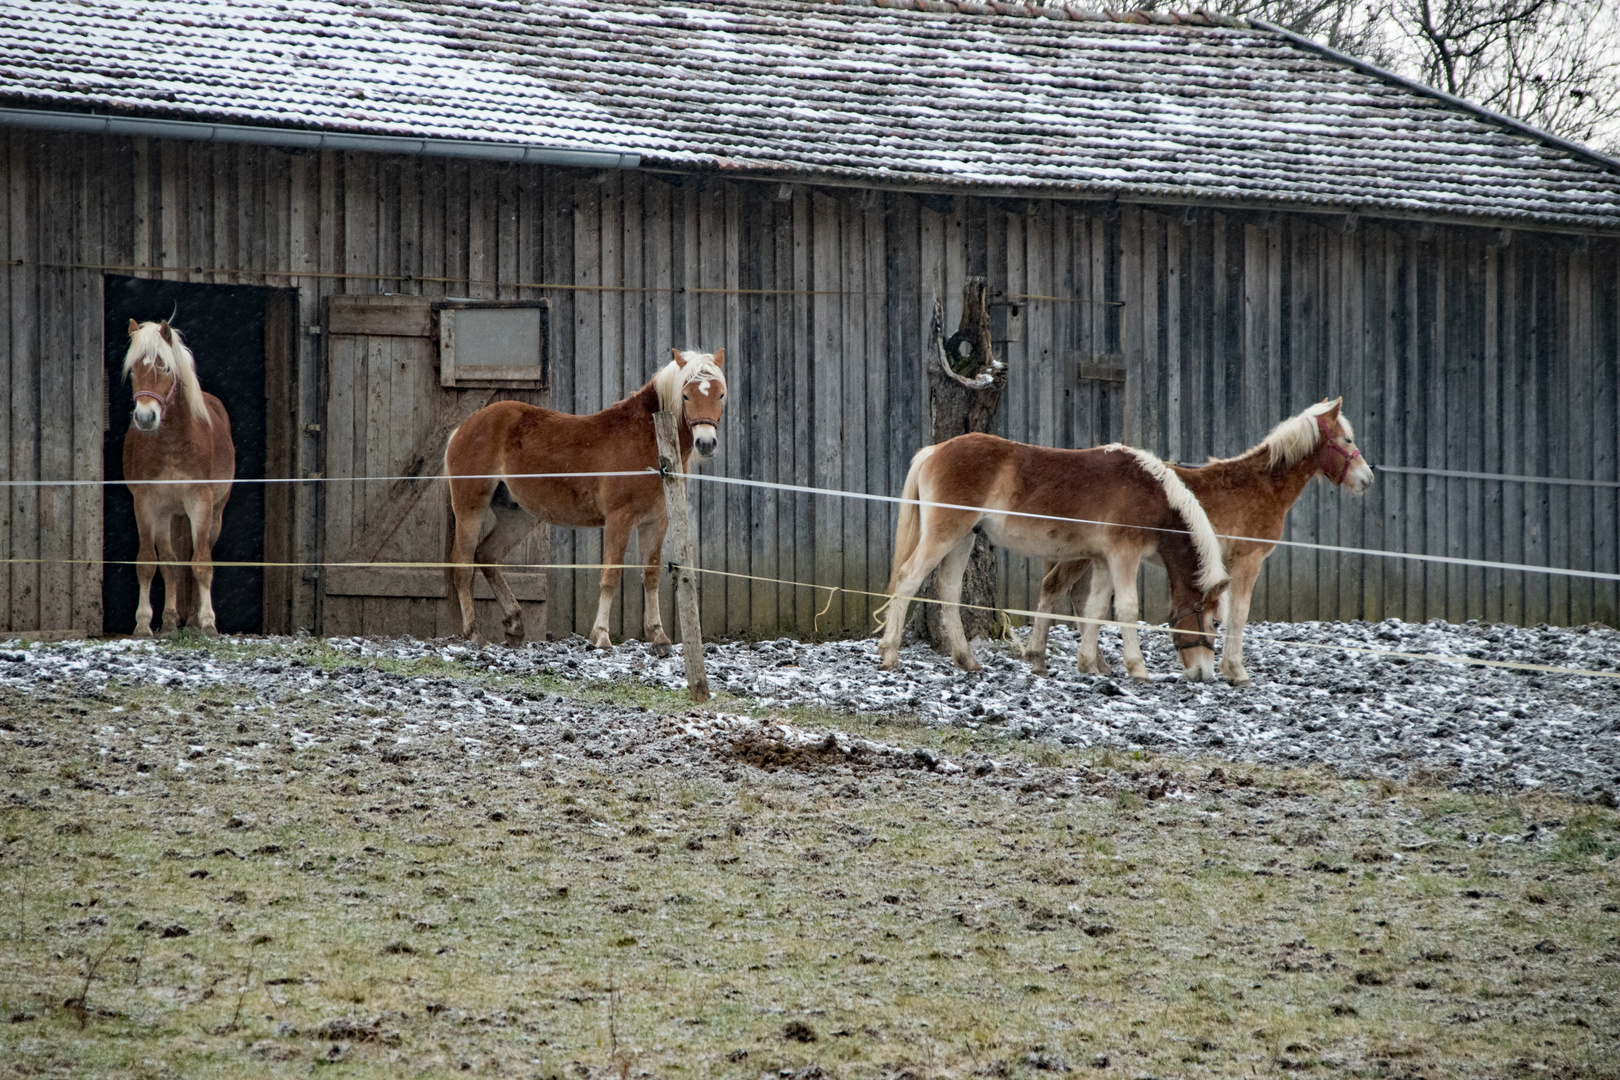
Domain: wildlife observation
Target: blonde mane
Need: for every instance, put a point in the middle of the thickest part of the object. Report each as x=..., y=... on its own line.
x=147, y=346
x=672, y=378
x=1296, y=438
x=1211, y=570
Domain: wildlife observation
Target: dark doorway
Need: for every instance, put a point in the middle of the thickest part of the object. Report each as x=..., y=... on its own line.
x=224, y=326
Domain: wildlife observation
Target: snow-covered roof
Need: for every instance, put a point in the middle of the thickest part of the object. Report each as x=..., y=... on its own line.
x=978, y=93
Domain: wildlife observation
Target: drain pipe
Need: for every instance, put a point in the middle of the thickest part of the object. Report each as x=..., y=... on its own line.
x=305, y=139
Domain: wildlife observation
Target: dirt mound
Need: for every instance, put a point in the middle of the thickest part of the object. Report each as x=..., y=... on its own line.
x=773, y=754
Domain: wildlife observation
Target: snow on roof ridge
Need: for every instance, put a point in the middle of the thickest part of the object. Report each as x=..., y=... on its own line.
x=1200, y=16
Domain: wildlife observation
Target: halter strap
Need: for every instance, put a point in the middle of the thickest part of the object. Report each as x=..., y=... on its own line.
x=163, y=399
x=1196, y=608
x=1347, y=455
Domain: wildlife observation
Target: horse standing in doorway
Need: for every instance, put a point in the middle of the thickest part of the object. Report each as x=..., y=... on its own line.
x=495, y=500
x=1112, y=504
x=1247, y=498
x=179, y=462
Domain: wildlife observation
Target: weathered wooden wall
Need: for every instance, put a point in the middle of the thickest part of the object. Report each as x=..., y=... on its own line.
x=1450, y=352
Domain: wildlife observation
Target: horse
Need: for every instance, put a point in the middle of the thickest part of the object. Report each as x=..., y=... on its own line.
x=494, y=501
x=1112, y=503
x=1247, y=498
x=179, y=432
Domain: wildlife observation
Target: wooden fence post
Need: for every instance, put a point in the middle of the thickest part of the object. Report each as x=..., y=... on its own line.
x=680, y=520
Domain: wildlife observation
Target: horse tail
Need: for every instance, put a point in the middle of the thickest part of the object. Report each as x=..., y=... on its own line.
x=909, y=530
x=449, y=525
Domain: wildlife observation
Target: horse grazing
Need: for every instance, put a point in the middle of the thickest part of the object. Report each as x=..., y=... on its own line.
x=1247, y=498
x=494, y=502
x=178, y=433
x=1128, y=505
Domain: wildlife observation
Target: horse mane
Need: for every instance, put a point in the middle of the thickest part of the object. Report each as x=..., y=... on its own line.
x=1211, y=571
x=1296, y=438
x=672, y=377
x=146, y=344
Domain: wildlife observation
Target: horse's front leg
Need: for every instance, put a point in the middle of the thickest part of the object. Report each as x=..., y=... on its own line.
x=1235, y=609
x=615, y=538
x=145, y=571
x=650, y=538
x=1123, y=569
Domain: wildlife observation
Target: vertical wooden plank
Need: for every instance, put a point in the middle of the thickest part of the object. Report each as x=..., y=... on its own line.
x=790, y=341
x=710, y=503
x=739, y=593
x=854, y=365
x=556, y=265
x=658, y=335
x=1510, y=321
x=631, y=359
x=1491, y=435
x=1604, y=288
x=587, y=365
x=171, y=156
x=89, y=165
x=806, y=543
x=1535, y=417
x=1352, y=364
x=25, y=365
x=826, y=370
x=56, y=187
x=610, y=303
x=1174, y=356
x=479, y=214
x=11, y=274
x=303, y=259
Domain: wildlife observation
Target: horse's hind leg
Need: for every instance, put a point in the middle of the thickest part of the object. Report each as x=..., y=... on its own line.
x=205, y=521
x=512, y=524
x=469, y=505
x=615, y=538
x=1060, y=578
x=936, y=540
x=950, y=595
x=650, y=539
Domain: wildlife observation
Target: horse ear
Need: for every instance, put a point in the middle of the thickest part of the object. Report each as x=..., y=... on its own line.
x=1333, y=411
x=720, y=358
x=163, y=329
x=134, y=328
x=1219, y=589
x=680, y=358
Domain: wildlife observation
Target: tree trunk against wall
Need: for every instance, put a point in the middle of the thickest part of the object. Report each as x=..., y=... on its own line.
x=965, y=383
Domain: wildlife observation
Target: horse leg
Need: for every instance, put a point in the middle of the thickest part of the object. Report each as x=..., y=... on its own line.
x=1235, y=612
x=1058, y=581
x=469, y=505
x=200, y=512
x=512, y=524
x=1092, y=662
x=1123, y=568
x=950, y=595
x=935, y=542
x=145, y=570
x=164, y=535
x=650, y=539
x=615, y=538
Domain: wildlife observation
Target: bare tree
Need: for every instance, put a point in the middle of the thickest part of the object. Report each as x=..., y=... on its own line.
x=1551, y=63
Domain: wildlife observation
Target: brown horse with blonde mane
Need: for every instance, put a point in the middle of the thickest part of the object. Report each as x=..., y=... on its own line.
x=496, y=497
x=1112, y=504
x=179, y=462
x=1247, y=498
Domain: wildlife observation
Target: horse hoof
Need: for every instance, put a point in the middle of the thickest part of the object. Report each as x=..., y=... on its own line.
x=142, y=631
x=210, y=631
x=1038, y=668
x=967, y=663
x=1243, y=680
x=889, y=663
x=663, y=648
x=514, y=641
x=601, y=641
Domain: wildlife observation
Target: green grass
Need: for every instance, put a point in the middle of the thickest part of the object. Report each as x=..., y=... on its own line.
x=676, y=924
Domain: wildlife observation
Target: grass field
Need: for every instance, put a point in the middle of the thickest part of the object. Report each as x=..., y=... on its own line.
x=228, y=883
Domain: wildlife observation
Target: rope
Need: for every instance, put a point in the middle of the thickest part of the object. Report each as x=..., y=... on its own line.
x=1461, y=474
x=1448, y=560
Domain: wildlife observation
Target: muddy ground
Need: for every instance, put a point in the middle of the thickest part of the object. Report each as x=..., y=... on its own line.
x=411, y=858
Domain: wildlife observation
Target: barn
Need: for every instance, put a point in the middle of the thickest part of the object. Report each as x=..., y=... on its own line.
x=373, y=216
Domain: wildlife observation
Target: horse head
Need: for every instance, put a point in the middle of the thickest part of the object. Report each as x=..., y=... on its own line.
x=1337, y=454
x=159, y=366
x=1192, y=630
x=703, y=396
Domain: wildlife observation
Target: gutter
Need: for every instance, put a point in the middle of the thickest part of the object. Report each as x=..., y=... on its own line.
x=1603, y=161
x=305, y=139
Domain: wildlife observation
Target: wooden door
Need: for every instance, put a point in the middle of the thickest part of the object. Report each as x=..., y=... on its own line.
x=387, y=421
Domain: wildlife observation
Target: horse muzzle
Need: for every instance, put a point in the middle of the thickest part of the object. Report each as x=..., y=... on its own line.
x=1200, y=666
x=147, y=418
x=705, y=440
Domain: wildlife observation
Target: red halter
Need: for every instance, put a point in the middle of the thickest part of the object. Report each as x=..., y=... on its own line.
x=164, y=399
x=1332, y=444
